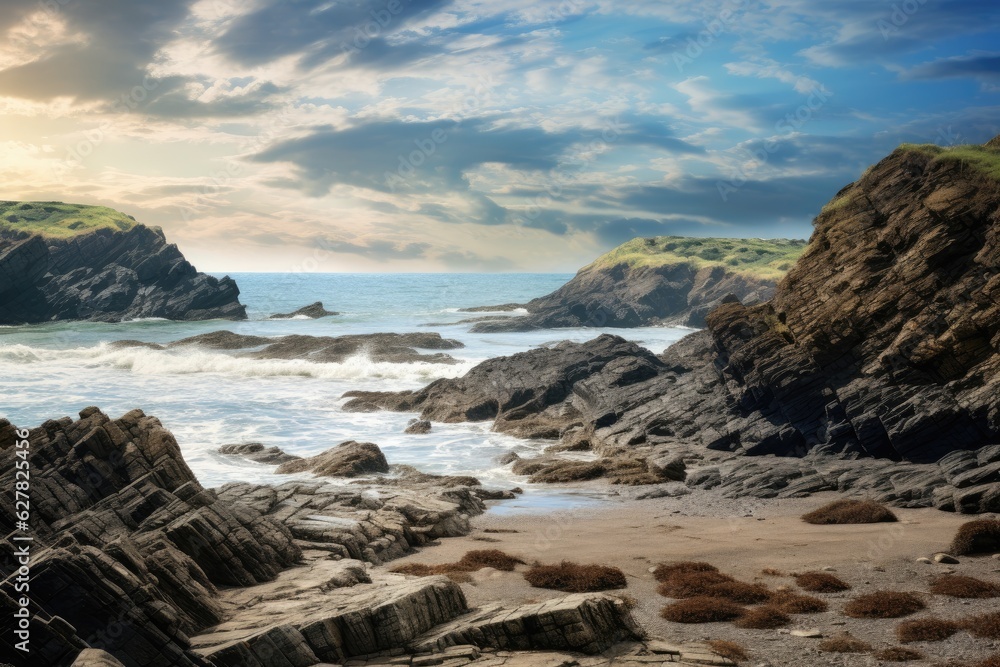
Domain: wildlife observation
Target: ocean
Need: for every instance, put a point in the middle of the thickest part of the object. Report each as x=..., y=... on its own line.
x=211, y=398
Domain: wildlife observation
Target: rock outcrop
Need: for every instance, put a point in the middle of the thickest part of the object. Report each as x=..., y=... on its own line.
x=128, y=548
x=379, y=347
x=312, y=311
x=883, y=341
x=106, y=274
x=586, y=623
x=134, y=564
x=665, y=280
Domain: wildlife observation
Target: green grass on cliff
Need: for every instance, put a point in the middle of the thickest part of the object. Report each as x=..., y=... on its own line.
x=761, y=258
x=978, y=157
x=58, y=220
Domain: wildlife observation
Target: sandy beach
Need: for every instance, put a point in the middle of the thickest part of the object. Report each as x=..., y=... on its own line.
x=741, y=538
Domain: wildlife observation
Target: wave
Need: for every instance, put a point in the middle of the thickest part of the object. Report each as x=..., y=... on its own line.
x=144, y=361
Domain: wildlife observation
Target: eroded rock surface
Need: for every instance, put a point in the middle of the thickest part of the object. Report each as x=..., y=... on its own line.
x=131, y=554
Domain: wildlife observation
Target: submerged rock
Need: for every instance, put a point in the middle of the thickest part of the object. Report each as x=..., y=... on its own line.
x=257, y=452
x=379, y=347
x=313, y=311
x=418, y=427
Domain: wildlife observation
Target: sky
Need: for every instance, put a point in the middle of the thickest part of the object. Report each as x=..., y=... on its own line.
x=475, y=135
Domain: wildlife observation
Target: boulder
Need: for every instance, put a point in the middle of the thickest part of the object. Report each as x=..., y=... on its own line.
x=348, y=459
x=418, y=427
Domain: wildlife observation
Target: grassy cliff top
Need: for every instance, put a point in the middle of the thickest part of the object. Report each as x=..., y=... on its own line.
x=981, y=158
x=761, y=258
x=58, y=220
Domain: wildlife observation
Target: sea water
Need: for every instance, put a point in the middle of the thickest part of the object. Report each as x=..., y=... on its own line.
x=210, y=398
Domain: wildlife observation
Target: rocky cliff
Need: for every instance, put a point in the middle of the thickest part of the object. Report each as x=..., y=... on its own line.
x=882, y=341
x=69, y=262
x=662, y=280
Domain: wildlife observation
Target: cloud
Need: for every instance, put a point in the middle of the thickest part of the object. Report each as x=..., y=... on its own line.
x=121, y=39
x=397, y=156
x=769, y=69
x=979, y=65
x=748, y=204
x=867, y=32
x=316, y=31
x=464, y=260
x=382, y=250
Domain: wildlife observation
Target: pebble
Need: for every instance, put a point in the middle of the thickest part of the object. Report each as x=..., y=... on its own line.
x=945, y=558
x=812, y=633
x=925, y=560
x=829, y=569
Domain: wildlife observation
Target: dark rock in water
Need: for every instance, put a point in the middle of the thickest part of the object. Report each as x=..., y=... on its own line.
x=393, y=348
x=106, y=275
x=493, y=494
x=503, y=308
x=348, y=459
x=665, y=285
x=418, y=427
x=313, y=310
x=509, y=457
x=126, y=344
x=380, y=347
x=223, y=340
x=255, y=451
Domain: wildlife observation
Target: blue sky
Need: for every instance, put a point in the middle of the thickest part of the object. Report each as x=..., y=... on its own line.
x=416, y=135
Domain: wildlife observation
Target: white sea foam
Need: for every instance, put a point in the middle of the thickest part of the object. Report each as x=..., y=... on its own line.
x=145, y=361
